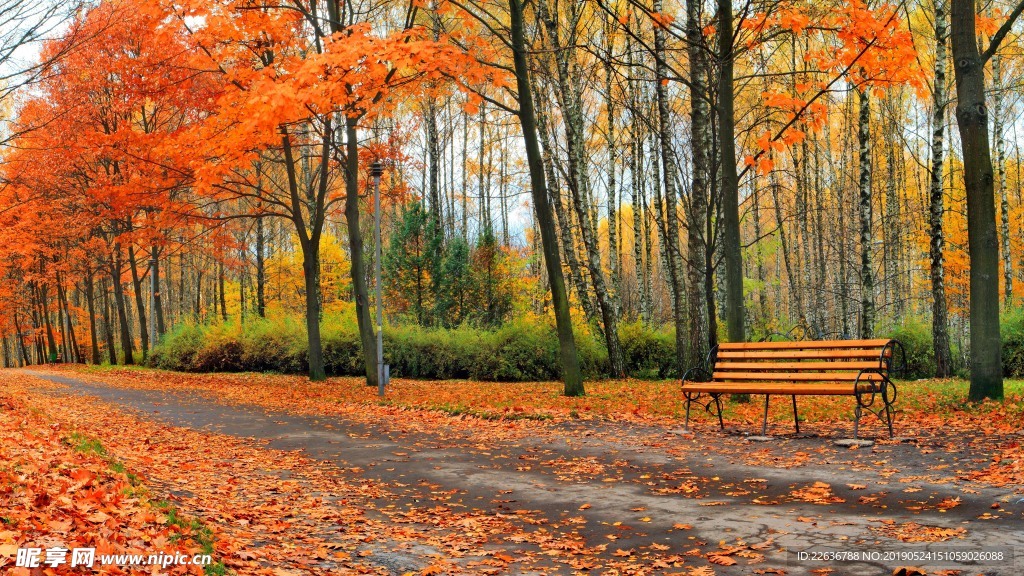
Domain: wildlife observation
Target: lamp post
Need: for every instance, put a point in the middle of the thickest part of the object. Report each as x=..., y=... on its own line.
x=376, y=170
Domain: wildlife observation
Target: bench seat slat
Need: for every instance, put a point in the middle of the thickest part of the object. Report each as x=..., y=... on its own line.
x=797, y=354
x=798, y=376
x=788, y=366
x=801, y=389
x=807, y=345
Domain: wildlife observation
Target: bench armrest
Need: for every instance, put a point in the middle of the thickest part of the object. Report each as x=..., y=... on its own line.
x=697, y=374
x=895, y=361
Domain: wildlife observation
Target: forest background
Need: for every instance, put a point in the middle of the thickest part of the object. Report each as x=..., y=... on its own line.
x=605, y=188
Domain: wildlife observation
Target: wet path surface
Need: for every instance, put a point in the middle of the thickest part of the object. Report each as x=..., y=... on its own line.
x=592, y=479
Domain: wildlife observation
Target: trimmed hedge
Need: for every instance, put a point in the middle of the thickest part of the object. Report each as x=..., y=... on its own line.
x=522, y=350
x=525, y=349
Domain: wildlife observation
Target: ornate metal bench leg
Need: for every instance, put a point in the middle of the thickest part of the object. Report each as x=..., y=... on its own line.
x=764, y=424
x=856, y=419
x=718, y=405
x=888, y=398
x=688, y=402
x=796, y=421
x=888, y=411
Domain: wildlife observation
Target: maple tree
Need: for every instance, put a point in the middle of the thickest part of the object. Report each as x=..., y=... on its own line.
x=288, y=102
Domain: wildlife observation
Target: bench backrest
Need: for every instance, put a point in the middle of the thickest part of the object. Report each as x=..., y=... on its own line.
x=810, y=361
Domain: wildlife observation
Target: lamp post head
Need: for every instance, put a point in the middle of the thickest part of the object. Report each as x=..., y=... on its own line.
x=376, y=169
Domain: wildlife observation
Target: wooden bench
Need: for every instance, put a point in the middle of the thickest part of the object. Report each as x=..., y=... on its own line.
x=858, y=368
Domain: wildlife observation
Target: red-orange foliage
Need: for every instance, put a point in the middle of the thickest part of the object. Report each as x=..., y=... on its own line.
x=858, y=46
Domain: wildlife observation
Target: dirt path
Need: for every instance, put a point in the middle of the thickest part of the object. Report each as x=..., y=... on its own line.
x=634, y=496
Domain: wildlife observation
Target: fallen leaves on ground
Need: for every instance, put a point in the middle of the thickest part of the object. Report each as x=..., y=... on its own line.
x=58, y=489
x=278, y=513
x=228, y=478
x=817, y=493
x=930, y=412
x=914, y=532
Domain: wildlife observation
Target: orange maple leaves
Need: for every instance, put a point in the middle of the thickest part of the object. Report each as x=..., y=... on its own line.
x=855, y=47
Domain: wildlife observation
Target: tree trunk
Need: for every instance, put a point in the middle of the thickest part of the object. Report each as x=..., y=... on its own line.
x=731, y=247
x=108, y=328
x=867, y=293
x=482, y=187
x=139, y=301
x=611, y=145
x=1004, y=203
x=670, y=245
x=308, y=233
x=573, y=379
x=465, y=177
x=72, y=344
x=639, y=215
x=61, y=326
x=90, y=301
x=21, y=341
x=936, y=210
x=761, y=321
x=311, y=271
x=37, y=324
x=158, y=307
x=51, y=342
x=565, y=224
x=222, y=295
x=578, y=182
x=261, y=269
x=785, y=246
x=197, y=308
x=982, y=239
x=127, y=348
x=892, y=231
x=433, y=158
x=355, y=242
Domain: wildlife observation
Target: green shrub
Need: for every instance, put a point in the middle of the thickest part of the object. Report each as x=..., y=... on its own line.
x=274, y=345
x=592, y=353
x=339, y=338
x=648, y=352
x=519, y=351
x=417, y=352
x=1012, y=331
x=178, y=348
x=525, y=349
x=916, y=337
x=221, y=351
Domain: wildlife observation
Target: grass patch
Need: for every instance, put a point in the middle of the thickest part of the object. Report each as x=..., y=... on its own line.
x=949, y=396
x=195, y=529
x=119, y=468
x=81, y=443
x=458, y=410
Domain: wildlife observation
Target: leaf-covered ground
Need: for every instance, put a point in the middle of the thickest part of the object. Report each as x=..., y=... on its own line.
x=291, y=477
x=61, y=488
